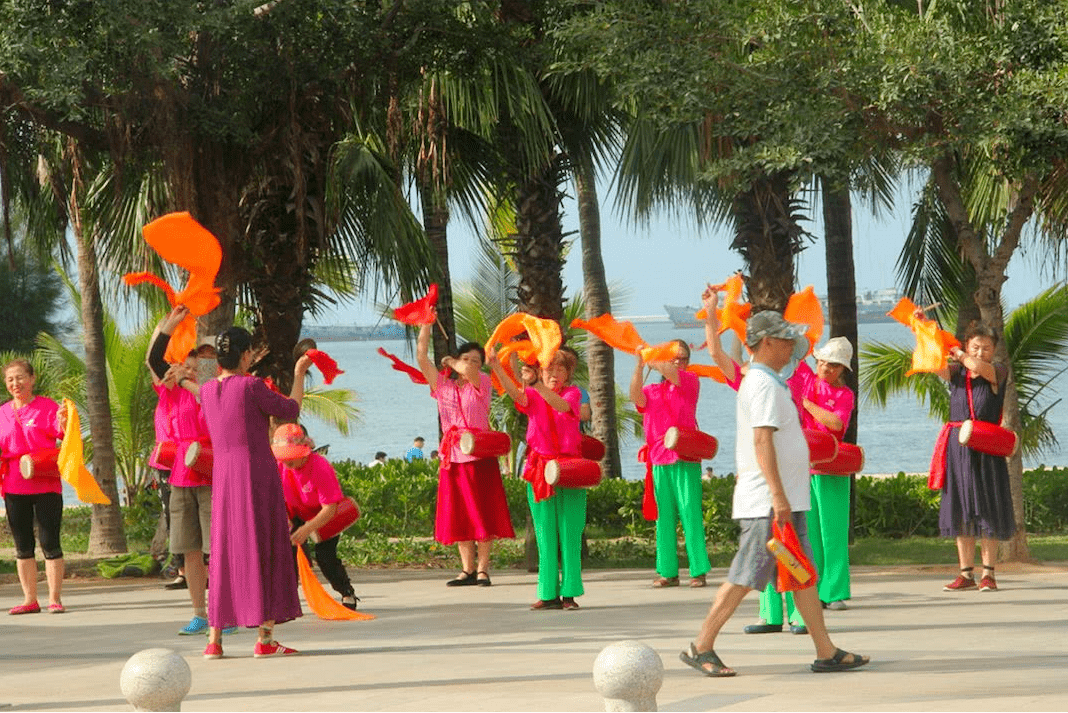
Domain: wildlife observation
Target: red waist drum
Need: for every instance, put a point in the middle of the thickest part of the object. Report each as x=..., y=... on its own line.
x=164, y=454
x=347, y=513
x=690, y=444
x=40, y=464
x=199, y=457
x=822, y=446
x=988, y=438
x=850, y=460
x=484, y=444
x=572, y=473
x=591, y=448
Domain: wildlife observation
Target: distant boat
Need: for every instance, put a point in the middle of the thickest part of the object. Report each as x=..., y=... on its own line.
x=872, y=308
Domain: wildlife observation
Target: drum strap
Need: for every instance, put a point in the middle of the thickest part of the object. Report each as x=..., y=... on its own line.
x=451, y=438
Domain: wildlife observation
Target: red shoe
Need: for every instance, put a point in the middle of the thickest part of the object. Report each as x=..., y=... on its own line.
x=213, y=651
x=274, y=648
x=987, y=584
x=33, y=608
x=569, y=604
x=960, y=584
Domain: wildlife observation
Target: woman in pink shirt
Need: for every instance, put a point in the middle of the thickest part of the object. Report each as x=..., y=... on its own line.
x=29, y=424
x=472, y=506
x=553, y=411
x=677, y=483
x=312, y=495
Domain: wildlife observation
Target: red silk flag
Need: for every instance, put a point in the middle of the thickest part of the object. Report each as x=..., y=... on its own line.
x=932, y=343
x=421, y=311
x=786, y=581
x=185, y=243
x=414, y=374
x=618, y=335
x=326, y=364
x=804, y=308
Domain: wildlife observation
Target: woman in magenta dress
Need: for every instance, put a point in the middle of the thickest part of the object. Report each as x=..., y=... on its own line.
x=252, y=580
x=472, y=506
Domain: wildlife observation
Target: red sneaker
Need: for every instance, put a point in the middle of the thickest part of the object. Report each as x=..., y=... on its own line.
x=274, y=648
x=213, y=651
x=987, y=584
x=960, y=584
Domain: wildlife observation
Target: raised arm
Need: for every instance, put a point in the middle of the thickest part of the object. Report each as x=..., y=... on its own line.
x=975, y=365
x=555, y=400
x=161, y=338
x=730, y=368
x=300, y=370
x=422, y=356
x=637, y=380
x=510, y=387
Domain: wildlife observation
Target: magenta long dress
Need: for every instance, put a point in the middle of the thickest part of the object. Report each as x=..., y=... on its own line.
x=251, y=573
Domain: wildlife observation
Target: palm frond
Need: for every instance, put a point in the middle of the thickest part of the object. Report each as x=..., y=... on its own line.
x=335, y=407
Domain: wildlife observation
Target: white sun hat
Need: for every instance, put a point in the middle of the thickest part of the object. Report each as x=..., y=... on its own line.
x=836, y=351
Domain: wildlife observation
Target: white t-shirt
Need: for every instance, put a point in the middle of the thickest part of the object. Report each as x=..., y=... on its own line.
x=765, y=401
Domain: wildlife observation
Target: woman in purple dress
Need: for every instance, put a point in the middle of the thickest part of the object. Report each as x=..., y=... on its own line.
x=252, y=580
x=976, y=500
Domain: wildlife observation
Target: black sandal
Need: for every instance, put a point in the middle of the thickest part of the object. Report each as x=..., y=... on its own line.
x=836, y=662
x=691, y=657
x=464, y=580
x=483, y=582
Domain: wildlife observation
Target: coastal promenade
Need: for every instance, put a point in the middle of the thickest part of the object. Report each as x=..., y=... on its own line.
x=434, y=648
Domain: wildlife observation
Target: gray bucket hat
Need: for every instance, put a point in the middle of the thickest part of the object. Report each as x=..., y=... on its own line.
x=770, y=323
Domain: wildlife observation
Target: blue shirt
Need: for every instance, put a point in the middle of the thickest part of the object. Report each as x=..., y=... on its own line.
x=413, y=453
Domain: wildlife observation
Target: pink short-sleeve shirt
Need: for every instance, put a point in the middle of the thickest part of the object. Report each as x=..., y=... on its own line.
x=550, y=432
x=839, y=400
x=464, y=407
x=667, y=405
x=186, y=426
x=308, y=488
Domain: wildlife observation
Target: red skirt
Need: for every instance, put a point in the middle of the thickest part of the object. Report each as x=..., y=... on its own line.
x=471, y=503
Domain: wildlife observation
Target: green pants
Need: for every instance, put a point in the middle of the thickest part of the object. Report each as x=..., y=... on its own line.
x=828, y=533
x=678, y=496
x=558, y=525
x=771, y=605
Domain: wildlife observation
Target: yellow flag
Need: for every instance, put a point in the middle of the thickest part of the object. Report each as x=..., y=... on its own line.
x=71, y=461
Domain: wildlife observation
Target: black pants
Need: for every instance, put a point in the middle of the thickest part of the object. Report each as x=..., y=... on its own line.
x=21, y=511
x=329, y=563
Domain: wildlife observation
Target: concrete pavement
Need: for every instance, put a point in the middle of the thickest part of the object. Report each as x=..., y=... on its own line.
x=434, y=648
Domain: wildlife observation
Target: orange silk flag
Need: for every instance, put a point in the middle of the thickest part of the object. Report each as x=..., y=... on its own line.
x=733, y=313
x=660, y=352
x=932, y=343
x=545, y=336
x=319, y=600
x=71, y=461
x=618, y=335
x=804, y=308
x=185, y=243
x=709, y=371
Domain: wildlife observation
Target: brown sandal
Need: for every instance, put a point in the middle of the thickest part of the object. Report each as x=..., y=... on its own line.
x=661, y=582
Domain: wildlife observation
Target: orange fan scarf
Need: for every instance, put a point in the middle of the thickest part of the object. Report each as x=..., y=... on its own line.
x=319, y=600
x=185, y=243
x=542, y=342
x=932, y=343
x=733, y=314
x=804, y=308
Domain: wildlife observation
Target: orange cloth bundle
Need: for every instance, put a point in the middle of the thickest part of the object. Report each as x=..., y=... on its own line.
x=542, y=342
x=319, y=601
x=804, y=308
x=71, y=461
x=184, y=242
x=421, y=311
x=932, y=344
x=795, y=571
x=734, y=313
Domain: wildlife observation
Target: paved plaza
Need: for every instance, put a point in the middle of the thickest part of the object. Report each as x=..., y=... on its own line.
x=434, y=648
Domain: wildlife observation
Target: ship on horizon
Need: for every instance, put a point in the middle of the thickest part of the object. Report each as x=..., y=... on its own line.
x=872, y=308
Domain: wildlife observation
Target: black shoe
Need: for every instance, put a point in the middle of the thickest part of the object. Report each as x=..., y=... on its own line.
x=466, y=579
x=483, y=581
x=798, y=629
x=178, y=583
x=349, y=601
x=763, y=629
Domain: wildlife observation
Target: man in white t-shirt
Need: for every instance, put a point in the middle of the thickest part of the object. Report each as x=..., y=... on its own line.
x=772, y=463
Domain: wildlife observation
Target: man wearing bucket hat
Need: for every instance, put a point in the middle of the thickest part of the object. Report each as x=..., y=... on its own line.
x=772, y=485
x=312, y=494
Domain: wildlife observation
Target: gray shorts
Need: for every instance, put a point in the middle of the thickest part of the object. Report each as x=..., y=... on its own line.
x=190, y=519
x=753, y=566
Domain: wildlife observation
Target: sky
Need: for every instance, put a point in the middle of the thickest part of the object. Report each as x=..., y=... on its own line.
x=668, y=262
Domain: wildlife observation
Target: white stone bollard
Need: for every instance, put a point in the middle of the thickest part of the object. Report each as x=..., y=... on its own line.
x=156, y=680
x=628, y=675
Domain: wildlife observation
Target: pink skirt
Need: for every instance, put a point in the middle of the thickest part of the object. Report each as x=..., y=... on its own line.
x=471, y=503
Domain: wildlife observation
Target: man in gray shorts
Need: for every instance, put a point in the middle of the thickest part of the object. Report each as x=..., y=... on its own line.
x=773, y=483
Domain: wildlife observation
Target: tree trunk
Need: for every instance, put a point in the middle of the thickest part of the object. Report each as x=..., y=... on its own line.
x=435, y=223
x=842, y=298
x=106, y=535
x=767, y=236
x=990, y=273
x=600, y=357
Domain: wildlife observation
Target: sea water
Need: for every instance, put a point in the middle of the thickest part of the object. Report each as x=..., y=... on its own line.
x=899, y=437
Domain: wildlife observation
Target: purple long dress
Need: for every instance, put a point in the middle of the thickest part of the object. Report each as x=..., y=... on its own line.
x=976, y=500
x=251, y=569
